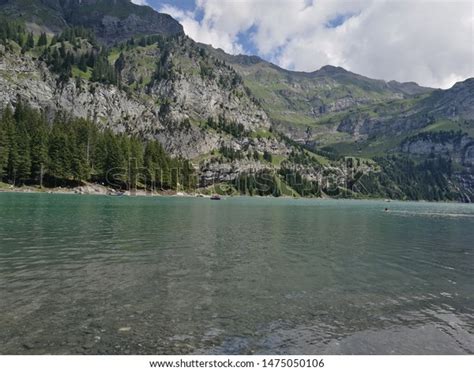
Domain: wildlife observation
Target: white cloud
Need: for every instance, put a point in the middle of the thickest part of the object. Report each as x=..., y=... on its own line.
x=427, y=41
x=140, y=2
x=204, y=32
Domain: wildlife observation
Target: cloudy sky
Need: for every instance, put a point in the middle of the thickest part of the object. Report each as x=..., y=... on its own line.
x=427, y=41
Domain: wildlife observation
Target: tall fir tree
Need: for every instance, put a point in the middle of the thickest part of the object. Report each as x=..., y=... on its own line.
x=59, y=154
x=135, y=169
x=4, y=147
x=114, y=167
x=22, y=139
x=43, y=39
x=39, y=154
x=30, y=41
x=10, y=130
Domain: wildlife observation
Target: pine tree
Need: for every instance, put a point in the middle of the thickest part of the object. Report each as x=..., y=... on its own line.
x=62, y=50
x=256, y=156
x=82, y=65
x=149, y=164
x=188, y=180
x=79, y=165
x=22, y=140
x=4, y=147
x=119, y=66
x=24, y=158
x=135, y=162
x=267, y=156
x=103, y=71
x=38, y=147
x=30, y=42
x=10, y=130
x=114, y=167
x=86, y=139
x=43, y=40
x=157, y=166
x=59, y=155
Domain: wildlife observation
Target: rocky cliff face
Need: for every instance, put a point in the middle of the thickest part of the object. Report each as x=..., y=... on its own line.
x=119, y=21
x=112, y=21
x=174, y=110
x=456, y=146
x=25, y=77
x=362, y=125
x=455, y=103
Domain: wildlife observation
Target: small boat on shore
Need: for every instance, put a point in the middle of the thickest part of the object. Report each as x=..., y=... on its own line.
x=117, y=194
x=216, y=198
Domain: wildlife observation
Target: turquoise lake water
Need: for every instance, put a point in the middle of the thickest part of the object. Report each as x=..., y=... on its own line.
x=120, y=275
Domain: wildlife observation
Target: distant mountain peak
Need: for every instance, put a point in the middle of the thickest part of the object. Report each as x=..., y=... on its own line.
x=331, y=69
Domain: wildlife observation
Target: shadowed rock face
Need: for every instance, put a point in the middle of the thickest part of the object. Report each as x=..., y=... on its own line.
x=111, y=24
x=456, y=146
x=468, y=157
x=45, y=14
x=457, y=102
x=120, y=21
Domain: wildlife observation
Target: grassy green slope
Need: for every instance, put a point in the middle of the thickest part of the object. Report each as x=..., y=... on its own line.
x=298, y=98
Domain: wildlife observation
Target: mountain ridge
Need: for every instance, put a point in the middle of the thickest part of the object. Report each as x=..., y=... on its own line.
x=239, y=115
x=69, y=10
x=248, y=60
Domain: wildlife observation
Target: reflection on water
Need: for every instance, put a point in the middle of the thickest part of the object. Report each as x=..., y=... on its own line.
x=109, y=275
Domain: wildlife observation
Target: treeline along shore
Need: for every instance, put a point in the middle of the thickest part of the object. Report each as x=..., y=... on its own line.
x=67, y=152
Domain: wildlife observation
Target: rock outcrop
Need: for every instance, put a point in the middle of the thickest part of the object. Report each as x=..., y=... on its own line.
x=111, y=22
x=173, y=111
x=120, y=21
x=456, y=146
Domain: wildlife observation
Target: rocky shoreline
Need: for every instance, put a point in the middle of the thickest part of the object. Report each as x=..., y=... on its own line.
x=92, y=189
x=86, y=189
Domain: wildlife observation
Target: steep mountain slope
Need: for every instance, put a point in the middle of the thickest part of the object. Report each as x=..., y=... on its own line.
x=334, y=109
x=238, y=118
x=297, y=100
x=112, y=21
x=164, y=94
x=455, y=103
x=455, y=106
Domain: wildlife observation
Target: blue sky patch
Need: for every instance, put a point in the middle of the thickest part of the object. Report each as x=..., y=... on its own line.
x=338, y=20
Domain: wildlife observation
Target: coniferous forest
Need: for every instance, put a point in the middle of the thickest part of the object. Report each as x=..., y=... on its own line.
x=68, y=151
